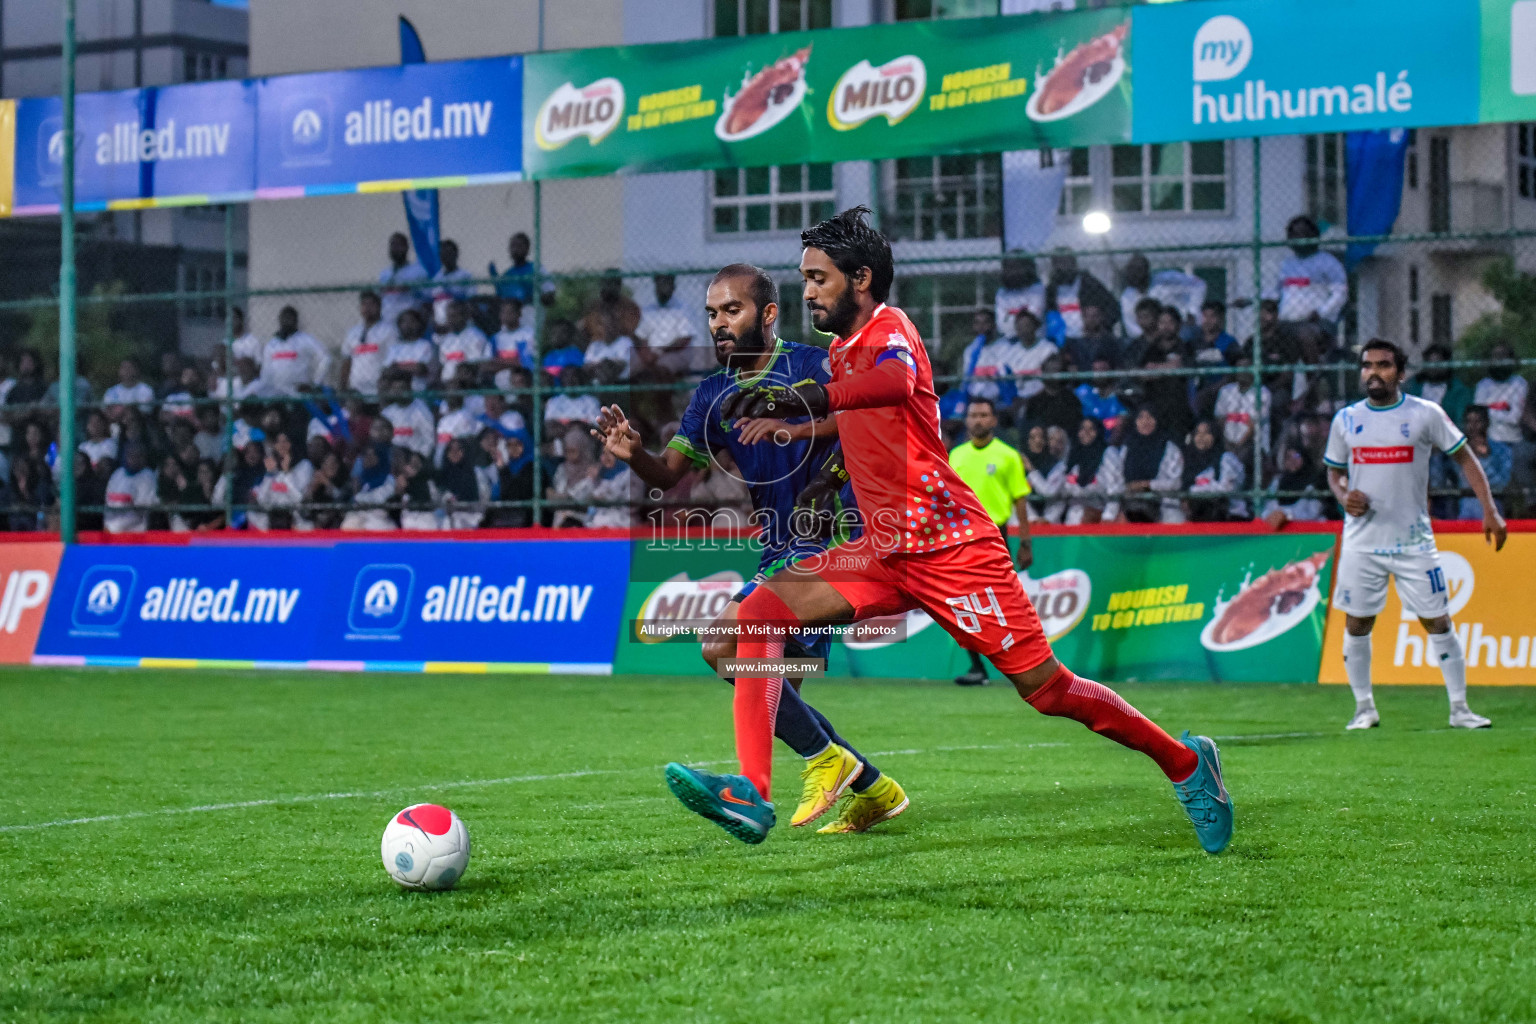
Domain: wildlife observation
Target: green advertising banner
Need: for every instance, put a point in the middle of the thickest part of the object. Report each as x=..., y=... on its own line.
x=930, y=87
x=1224, y=608
x=1508, y=61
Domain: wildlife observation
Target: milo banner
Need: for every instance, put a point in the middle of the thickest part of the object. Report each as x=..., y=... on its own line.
x=961, y=85
x=1497, y=632
x=1228, y=608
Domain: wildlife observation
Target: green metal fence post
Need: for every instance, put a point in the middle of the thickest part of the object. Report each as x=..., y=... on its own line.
x=67, y=291
x=229, y=366
x=1258, y=331
x=535, y=372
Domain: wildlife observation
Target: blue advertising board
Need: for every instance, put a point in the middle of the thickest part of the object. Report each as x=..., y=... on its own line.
x=403, y=606
x=229, y=602
x=175, y=141
x=1218, y=70
x=455, y=119
x=520, y=601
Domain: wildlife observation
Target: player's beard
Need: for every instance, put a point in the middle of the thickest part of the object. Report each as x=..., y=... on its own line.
x=837, y=321
x=750, y=344
x=1378, y=390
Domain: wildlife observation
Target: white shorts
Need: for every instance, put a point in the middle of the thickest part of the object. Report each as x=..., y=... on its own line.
x=1361, y=588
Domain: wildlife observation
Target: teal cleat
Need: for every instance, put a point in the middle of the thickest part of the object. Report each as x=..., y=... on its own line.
x=1204, y=795
x=730, y=801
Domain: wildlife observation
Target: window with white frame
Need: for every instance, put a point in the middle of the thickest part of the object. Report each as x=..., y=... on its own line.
x=1077, y=187
x=758, y=200
x=1171, y=177
x=762, y=17
x=203, y=67
x=1525, y=160
x=1326, y=187
x=942, y=197
x=935, y=10
x=206, y=283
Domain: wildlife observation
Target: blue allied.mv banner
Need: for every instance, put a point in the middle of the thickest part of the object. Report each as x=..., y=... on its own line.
x=177, y=140
x=454, y=120
x=357, y=605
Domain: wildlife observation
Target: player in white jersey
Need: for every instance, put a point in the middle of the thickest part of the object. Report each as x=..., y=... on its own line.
x=1378, y=468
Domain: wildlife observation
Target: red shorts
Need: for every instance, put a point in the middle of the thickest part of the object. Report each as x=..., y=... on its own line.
x=972, y=590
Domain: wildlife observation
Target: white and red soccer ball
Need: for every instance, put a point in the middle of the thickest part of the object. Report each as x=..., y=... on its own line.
x=426, y=847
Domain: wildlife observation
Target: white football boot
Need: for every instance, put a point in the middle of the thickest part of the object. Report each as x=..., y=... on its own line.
x=1365, y=718
x=1463, y=717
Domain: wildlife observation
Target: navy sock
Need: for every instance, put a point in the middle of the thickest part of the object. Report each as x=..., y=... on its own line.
x=798, y=727
x=870, y=775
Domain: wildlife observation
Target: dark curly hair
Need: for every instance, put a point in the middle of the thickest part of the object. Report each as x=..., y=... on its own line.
x=851, y=243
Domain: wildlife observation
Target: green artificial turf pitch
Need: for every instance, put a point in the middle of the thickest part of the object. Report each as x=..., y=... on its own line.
x=1042, y=873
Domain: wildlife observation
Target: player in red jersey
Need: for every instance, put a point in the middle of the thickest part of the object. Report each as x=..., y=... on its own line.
x=928, y=543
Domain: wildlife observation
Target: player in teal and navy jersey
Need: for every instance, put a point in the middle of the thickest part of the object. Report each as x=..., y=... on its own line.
x=777, y=459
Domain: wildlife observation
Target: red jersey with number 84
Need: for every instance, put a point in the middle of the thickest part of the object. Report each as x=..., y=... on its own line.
x=910, y=498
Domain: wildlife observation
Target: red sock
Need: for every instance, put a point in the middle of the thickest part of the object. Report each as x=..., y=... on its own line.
x=763, y=625
x=1101, y=709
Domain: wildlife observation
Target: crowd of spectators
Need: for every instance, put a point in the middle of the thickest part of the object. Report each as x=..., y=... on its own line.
x=1181, y=428
x=420, y=417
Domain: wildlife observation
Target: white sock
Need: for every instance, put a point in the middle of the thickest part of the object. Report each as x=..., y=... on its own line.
x=1357, y=665
x=1453, y=664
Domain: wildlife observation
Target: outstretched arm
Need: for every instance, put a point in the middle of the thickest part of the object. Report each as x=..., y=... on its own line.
x=1493, y=523
x=623, y=440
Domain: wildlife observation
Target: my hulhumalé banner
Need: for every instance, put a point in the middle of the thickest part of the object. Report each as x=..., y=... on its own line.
x=1497, y=633
x=1220, y=70
x=930, y=87
x=1223, y=608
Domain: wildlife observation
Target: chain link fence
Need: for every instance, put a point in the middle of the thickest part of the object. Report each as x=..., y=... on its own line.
x=1209, y=287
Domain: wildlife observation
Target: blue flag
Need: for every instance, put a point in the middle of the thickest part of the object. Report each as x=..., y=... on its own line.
x=420, y=204
x=1373, y=168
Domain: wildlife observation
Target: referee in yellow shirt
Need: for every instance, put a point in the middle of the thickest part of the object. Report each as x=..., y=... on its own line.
x=995, y=471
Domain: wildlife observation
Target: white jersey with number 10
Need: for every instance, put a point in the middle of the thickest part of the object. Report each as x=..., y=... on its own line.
x=1385, y=450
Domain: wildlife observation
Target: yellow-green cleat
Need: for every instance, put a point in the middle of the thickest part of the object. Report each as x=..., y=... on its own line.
x=880, y=802
x=823, y=781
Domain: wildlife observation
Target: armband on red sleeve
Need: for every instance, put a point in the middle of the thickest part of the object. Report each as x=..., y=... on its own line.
x=891, y=382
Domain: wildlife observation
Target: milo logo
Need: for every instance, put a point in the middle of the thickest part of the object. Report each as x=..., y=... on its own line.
x=592, y=110
x=893, y=90
x=680, y=606
x=1060, y=599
